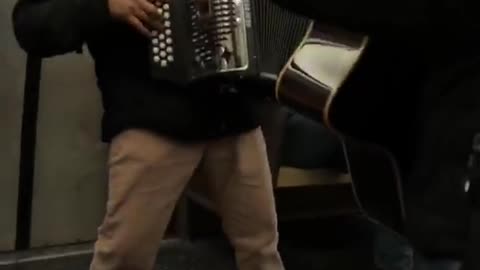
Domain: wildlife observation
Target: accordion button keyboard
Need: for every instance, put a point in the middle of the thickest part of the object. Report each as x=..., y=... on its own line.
x=162, y=49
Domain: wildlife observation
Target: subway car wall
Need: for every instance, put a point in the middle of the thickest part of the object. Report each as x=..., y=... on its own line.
x=12, y=74
x=61, y=161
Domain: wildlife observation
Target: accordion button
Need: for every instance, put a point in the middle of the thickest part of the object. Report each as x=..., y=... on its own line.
x=160, y=11
x=162, y=45
x=170, y=58
x=166, y=15
x=167, y=24
x=155, y=41
x=163, y=54
x=169, y=49
x=166, y=6
x=168, y=32
x=155, y=50
x=156, y=59
x=163, y=63
x=161, y=36
x=169, y=41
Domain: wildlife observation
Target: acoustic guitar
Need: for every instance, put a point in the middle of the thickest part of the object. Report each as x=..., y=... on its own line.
x=315, y=83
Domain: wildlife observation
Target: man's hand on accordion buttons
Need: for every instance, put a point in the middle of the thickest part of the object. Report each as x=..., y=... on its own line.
x=141, y=14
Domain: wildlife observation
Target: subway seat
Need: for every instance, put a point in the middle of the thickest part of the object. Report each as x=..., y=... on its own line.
x=309, y=164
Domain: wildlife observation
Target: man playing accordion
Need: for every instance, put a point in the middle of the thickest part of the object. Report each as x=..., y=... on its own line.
x=159, y=133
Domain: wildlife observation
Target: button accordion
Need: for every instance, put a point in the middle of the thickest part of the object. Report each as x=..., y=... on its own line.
x=229, y=39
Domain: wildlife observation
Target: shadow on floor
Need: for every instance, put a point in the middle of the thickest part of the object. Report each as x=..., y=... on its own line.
x=335, y=244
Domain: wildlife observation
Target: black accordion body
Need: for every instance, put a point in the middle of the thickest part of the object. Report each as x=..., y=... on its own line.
x=224, y=39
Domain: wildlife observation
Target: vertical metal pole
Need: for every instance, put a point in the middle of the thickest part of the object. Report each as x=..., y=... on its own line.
x=27, y=151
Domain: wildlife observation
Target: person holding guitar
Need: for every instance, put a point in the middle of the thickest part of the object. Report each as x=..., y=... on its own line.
x=415, y=94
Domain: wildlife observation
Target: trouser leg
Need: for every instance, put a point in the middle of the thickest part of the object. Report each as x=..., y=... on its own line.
x=147, y=174
x=241, y=180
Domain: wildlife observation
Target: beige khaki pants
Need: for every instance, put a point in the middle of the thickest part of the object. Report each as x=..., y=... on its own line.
x=148, y=173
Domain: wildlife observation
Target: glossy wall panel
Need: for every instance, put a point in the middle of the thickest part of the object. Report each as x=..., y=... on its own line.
x=70, y=180
x=12, y=72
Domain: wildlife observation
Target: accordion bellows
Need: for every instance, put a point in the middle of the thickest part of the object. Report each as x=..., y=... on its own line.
x=224, y=39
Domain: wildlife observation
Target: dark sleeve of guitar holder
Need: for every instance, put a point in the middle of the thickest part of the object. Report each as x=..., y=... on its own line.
x=373, y=16
x=52, y=27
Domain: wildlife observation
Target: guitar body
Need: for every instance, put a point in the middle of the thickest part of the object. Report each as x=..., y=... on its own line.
x=316, y=82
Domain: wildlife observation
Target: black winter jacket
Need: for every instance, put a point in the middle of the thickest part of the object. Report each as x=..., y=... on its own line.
x=131, y=98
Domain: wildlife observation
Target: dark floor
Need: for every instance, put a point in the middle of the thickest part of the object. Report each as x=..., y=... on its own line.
x=215, y=255
x=339, y=244
x=333, y=244
x=313, y=244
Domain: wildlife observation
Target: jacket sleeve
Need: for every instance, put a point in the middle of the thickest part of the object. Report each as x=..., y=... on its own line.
x=52, y=27
x=418, y=16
